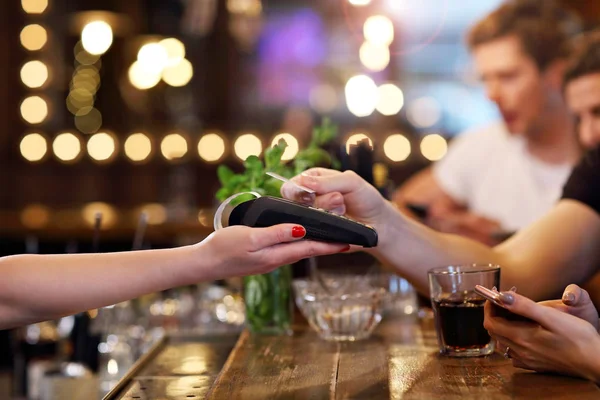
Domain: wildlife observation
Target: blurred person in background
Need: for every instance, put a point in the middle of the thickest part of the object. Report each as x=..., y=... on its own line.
x=499, y=179
x=561, y=248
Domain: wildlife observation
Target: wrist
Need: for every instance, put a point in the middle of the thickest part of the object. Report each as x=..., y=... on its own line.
x=592, y=371
x=196, y=262
x=387, y=225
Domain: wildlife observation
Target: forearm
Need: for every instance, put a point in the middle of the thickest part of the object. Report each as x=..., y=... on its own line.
x=412, y=249
x=66, y=284
x=541, y=260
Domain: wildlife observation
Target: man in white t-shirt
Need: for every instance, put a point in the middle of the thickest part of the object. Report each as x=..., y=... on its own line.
x=496, y=180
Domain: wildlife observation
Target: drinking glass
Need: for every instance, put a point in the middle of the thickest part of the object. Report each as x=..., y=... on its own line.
x=458, y=310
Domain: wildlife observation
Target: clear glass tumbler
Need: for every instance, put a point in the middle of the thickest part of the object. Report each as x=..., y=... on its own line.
x=458, y=310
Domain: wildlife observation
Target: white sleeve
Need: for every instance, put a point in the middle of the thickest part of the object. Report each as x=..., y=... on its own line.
x=455, y=172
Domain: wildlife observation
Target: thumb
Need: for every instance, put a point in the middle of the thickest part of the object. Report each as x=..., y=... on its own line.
x=575, y=296
x=282, y=233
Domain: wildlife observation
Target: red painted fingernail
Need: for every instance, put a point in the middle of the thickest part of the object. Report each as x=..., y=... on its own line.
x=298, y=231
x=345, y=249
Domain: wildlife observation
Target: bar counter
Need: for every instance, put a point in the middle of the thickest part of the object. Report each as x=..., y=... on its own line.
x=400, y=361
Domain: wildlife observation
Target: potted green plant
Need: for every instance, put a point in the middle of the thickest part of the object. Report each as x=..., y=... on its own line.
x=268, y=297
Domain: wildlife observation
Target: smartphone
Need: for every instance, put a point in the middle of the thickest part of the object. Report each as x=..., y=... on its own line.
x=499, y=309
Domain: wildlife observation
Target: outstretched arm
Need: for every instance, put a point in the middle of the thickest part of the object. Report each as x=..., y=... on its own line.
x=39, y=287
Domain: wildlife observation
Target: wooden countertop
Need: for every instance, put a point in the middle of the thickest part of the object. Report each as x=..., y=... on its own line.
x=400, y=361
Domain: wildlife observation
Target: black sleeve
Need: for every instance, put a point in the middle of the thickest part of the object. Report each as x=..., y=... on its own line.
x=584, y=183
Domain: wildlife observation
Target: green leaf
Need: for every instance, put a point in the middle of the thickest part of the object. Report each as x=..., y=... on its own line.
x=225, y=174
x=273, y=154
x=323, y=134
x=223, y=193
x=273, y=187
x=255, y=172
x=254, y=165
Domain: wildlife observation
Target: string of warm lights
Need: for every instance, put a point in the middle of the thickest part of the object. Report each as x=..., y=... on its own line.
x=211, y=147
x=35, y=76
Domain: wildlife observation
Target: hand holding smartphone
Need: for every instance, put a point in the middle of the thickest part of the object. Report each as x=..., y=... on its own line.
x=499, y=308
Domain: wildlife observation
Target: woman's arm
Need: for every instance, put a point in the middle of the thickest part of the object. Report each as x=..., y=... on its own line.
x=37, y=287
x=40, y=287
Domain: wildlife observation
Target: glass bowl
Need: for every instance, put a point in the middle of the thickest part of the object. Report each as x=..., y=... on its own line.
x=346, y=309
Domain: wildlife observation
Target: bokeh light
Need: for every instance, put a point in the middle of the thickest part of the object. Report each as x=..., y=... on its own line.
x=33, y=147
x=34, y=109
x=34, y=6
x=434, y=147
x=66, y=147
x=35, y=216
x=153, y=58
x=33, y=37
x=79, y=98
x=391, y=99
x=88, y=120
x=211, y=147
x=247, y=145
x=361, y=95
x=141, y=78
x=173, y=146
x=109, y=214
x=424, y=112
x=245, y=7
x=101, y=147
x=397, y=147
x=175, y=50
x=179, y=74
x=138, y=147
x=34, y=74
x=156, y=213
x=375, y=57
x=96, y=37
x=205, y=217
x=355, y=138
x=379, y=29
x=292, y=145
x=86, y=76
x=83, y=57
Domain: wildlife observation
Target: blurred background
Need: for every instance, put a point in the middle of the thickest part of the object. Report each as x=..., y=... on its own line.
x=128, y=106
x=121, y=107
